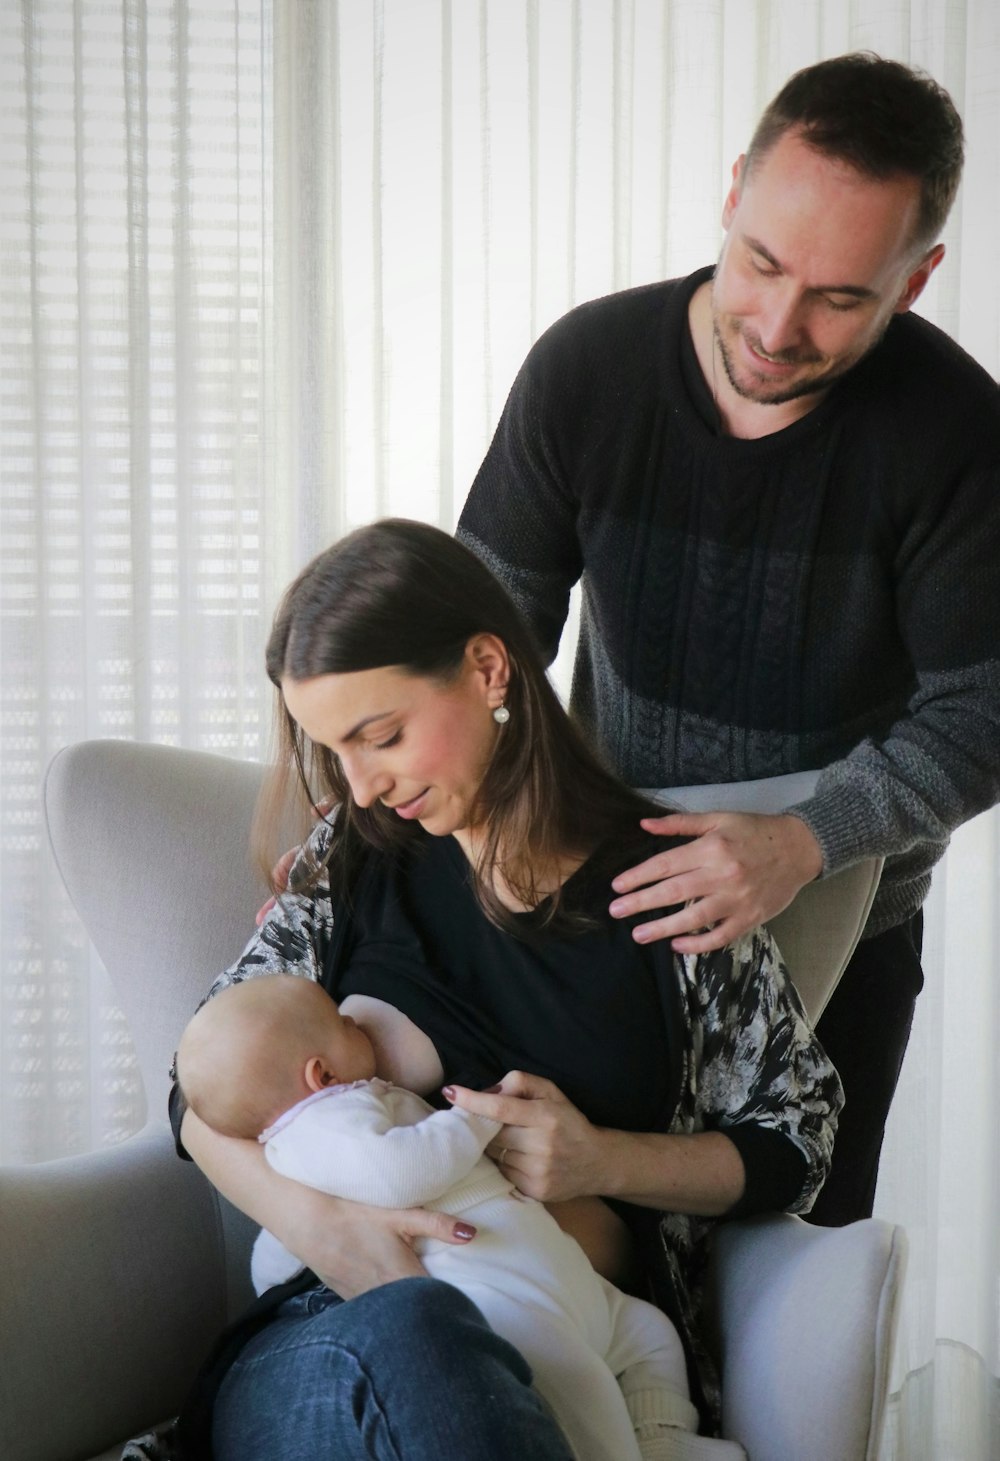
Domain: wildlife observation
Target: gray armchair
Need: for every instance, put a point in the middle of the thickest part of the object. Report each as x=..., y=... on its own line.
x=121, y=1266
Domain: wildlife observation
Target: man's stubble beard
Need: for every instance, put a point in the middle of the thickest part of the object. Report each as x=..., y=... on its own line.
x=797, y=392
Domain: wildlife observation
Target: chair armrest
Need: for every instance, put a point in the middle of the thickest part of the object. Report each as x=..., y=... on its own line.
x=112, y=1288
x=805, y=1318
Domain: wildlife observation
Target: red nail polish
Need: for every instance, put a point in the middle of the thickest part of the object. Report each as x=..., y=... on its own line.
x=464, y=1231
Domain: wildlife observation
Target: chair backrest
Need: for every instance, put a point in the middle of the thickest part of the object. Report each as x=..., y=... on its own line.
x=152, y=844
x=819, y=930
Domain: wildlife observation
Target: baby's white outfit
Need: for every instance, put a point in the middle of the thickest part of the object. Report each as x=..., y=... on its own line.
x=611, y=1366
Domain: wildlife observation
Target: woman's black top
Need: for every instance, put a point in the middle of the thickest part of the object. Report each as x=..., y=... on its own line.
x=585, y=1011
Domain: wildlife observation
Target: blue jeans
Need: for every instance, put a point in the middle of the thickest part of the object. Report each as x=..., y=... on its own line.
x=407, y=1372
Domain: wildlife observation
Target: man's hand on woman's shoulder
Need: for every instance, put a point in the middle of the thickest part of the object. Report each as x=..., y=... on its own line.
x=737, y=870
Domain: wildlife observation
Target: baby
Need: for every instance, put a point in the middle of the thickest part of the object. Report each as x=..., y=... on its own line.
x=274, y=1058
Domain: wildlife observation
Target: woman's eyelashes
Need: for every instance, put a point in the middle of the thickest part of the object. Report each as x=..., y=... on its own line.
x=393, y=740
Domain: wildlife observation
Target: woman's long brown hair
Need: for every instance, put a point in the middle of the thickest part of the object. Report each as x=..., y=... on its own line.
x=407, y=595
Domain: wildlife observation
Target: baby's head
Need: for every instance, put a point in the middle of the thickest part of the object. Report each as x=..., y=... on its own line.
x=264, y=1044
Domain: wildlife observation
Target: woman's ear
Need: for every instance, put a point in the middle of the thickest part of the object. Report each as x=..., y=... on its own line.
x=487, y=658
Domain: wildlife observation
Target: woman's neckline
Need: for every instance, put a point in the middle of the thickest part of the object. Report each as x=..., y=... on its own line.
x=572, y=867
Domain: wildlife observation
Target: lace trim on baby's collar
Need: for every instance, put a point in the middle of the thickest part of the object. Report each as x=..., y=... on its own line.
x=376, y=1083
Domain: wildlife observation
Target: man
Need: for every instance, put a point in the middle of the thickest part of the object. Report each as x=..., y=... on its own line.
x=780, y=489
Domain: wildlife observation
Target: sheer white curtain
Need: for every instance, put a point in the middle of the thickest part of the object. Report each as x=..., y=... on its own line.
x=135, y=263
x=206, y=378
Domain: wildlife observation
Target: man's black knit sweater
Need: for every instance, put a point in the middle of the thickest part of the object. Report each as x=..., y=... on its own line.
x=827, y=596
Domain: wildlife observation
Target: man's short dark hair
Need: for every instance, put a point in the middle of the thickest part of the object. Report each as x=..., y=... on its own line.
x=881, y=117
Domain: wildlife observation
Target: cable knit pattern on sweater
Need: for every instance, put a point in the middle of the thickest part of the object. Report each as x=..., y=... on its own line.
x=824, y=597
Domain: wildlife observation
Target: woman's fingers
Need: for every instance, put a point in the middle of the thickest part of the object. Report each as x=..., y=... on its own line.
x=530, y=1087
x=546, y=1146
x=418, y=1222
x=279, y=877
x=376, y=1246
x=521, y=1146
x=519, y=1100
x=282, y=868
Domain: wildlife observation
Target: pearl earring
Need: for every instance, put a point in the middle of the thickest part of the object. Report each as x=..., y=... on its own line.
x=501, y=715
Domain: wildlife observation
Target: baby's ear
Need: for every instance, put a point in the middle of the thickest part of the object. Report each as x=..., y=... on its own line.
x=317, y=1076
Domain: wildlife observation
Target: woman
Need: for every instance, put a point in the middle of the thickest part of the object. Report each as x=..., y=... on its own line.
x=458, y=896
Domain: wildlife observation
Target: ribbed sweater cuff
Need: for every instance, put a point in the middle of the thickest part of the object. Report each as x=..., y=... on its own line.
x=841, y=821
x=651, y=1410
x=842, y=824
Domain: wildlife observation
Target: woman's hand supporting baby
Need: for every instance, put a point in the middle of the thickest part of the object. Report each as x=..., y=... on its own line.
x=550, y=1151
x=349, y=1246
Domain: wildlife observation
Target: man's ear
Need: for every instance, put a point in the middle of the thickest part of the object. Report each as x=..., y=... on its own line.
x=917, y=280
x=733, y=196
x=317, y=1076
